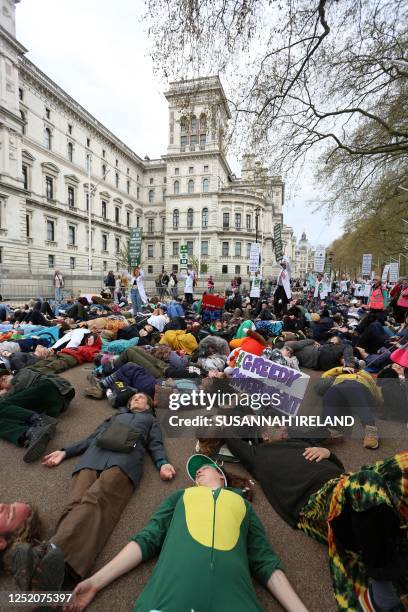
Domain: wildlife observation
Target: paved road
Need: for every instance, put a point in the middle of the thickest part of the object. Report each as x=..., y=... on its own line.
x=305, y=560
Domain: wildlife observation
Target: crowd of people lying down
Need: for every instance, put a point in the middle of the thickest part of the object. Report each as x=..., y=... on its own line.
x=207, y=538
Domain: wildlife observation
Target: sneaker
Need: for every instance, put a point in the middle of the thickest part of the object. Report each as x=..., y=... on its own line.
x=371, y=437
x=40, y=419
x=38, y=438
x=96, y=391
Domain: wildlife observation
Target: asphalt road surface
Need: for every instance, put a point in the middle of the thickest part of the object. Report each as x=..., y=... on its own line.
x=305, y=561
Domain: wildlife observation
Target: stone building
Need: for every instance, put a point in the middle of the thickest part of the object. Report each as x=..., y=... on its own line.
x=63, y=173
x=304, y=257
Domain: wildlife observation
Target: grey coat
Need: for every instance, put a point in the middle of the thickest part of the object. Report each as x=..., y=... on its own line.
x=95, y=458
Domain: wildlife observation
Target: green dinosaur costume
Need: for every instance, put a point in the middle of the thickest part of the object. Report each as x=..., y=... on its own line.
x=209, y=543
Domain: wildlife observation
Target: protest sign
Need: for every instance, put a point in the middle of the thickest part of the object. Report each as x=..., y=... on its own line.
x=366, y=264
x=254, y=257
x=319, y=258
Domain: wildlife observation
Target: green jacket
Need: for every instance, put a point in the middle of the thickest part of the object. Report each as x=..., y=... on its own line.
x=26, y=377
x=209, y=543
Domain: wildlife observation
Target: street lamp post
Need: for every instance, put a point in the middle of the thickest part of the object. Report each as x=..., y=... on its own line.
x=256, y=223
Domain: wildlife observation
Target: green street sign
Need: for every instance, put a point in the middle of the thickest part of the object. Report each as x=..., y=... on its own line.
x=135, y=246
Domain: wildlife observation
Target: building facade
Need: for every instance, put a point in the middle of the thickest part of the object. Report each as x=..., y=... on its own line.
x=65, y=177
x=304, y=257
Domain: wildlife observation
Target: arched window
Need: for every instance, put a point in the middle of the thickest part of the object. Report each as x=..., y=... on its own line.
x=193, y=125
x=176, y=187
x=204, y=217
x=190, y=186
x=23, y=127
x=47, y=135
x=206, y=184
x=70, y=151
x=151, y=195
x=190, y=217
x=176, y=217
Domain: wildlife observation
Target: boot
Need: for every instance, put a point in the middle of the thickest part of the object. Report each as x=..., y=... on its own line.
x=95, y=390
x=37, y=438
x=371, y=437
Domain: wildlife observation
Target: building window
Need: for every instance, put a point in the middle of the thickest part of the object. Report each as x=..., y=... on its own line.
x=204, y=247
x=176, y=187
x=23, y=118
x=175, y=249
x=183, y=126
x=164, y=179
x=117, y=246
x=47, y=138
x=193, y=139
x=204, y=218
x=88, y=142
x=237, y=220
x=176, y=218
x=127, y=171
x=248, y=222
x=193, y=125
x=151, y=195
x=248, y=250
x=49, y=188
x=103, y=153
x=103, y=209
x=203, y=123
x=225, y=220
x=190, y=186
x=151, y=181
x=176, y=171
x=104, y=242
x=205, y=168
x=127, y=186
x=117, y=180
x=190, y=247
x=25, y=176
x=150, y=269
x=70, y=147
x=103, y=170
x=20, y=94
x=206, y=184
x=191, y=170
x=50, y=231
x=28, y=226
x=48, y=113
x=105, y=266
x=127, y=218
x=162, y=250
x=71, y=197
x=150, y=226
x=174, y=268
x=237, y=269
x=137, y=221
x=224, y=269
x=238, y=249
x=71, y=235
x=72, y=263
x=117, y=214
x=190, y=218
x=51, y=261
x=164, y=194
x=163, y=224
x=137, y=193
x=69, y=128
x=150, y=252
x=183, y=141
x=203, y=139
x=225, y=249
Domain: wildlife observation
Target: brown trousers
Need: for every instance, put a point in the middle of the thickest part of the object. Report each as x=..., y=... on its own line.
x=96, y=502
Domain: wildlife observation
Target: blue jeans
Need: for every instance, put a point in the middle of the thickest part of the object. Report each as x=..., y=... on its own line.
x=136, y=300
x=348, y=397
x=58, y=297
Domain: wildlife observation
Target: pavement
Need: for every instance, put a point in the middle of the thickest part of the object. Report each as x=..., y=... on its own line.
x=305, y=561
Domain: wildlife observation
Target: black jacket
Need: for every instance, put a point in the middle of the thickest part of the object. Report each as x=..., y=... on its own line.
x=286, y=477
x=95, y=458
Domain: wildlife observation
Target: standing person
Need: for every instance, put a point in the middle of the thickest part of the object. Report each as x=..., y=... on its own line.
x=378, y=299
x=210, y=284
x=283, y=291
x=165, y=279
x=189, y=285
x=59, y=284
x=209, y=540
x=173, y=282
x=137, y=292
x=255, y=291
x=117, y=292
x=110, y=282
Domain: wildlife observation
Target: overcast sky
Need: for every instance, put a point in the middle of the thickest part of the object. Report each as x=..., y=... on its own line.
x=98, y=51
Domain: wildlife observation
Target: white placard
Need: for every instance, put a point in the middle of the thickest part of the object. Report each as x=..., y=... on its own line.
x=385, y=273
x=320, y=255
x=394, y=272
x=366, y=265
x=254, y=256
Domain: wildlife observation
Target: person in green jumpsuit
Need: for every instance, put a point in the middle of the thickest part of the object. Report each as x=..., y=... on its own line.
x=209, y=541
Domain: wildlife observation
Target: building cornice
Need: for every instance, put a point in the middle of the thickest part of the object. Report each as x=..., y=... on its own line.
x=13, y=42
